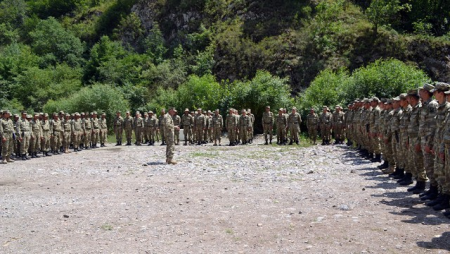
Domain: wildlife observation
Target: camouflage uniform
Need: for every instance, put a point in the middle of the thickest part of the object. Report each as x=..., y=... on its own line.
x=24, y=130
x=36, y=136
x=103, y=130
x=414, y=152
x=200, y=125
x=46, y=133
x=231, y=124
x=217, y=125
x=312, y=123
x=244, y=127
x=294, y=122
x=128, y=126
x=268, y=121
x=167, y=124
x=281, y=127
x=188, y=122
x=118, y=128
x=77, y=132
x=7, y=135
x=338, y=125
x=325, y=126
x=177, y=123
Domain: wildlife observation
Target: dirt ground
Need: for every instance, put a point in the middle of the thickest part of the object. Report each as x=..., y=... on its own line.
x=243, y=199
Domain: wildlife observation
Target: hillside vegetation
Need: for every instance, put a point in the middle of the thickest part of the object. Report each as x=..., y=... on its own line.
x=108, y=55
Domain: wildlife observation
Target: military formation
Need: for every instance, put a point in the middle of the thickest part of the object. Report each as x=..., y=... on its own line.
x=410, y=133
x=26, y=136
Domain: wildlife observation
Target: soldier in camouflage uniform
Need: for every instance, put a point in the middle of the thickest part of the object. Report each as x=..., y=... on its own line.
x=188, y=122
x=161, y=127
x=103, y=130
x=325, y=126
x=36, y=136
x=24, y=130
x=414, y=143
x=312, y=123
x=338, y=125
x=169, y=128
x=66, y=132
x=200, y=126
x=217, y=125
x=294, y=121
x=118, y=128
x=77, y=132
x=441, y=146
x=7, y=135
x=128, y=127
x=46, y=133
x=153, y=125
x=396, y=141
x=55, y=127
x=268, y=120
x=209, y=127
x=231, y=124
x=386, y=137
x=348, y=123
x=404, y=145
x=146, y=132
x=244, y=127
x=374, y=126
x=177, y=124
x=282, y=124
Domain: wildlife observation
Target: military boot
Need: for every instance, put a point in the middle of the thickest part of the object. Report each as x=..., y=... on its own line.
x=171, y=162
x=438, y=200
x=24, y=157
x=431, y=194
x=290, y=143
x=444, y=204
x=270, y=141
x=400, y=173
x=46, y=154
x=418, y=188
x=266, y=142
x=384, y=165
x=407, y=180
x=446, y=214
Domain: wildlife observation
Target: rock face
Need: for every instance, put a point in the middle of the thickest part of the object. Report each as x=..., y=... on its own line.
x=146, y=11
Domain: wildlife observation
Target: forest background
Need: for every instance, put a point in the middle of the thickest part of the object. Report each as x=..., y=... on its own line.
x=109, y=55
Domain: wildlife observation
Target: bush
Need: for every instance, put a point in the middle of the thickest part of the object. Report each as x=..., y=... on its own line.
x=99, y=97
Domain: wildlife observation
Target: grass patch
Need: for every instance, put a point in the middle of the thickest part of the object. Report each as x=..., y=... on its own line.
x=107, y=227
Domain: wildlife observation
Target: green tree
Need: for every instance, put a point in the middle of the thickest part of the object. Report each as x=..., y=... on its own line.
x=56, y=45
x=381, y=12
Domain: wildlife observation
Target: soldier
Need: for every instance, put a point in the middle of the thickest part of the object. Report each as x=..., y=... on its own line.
x=1, y=118
x=24, y=131
x=55, y=127
x=414, y=148
x=325, y=125
x=268, y=120
x=385, y=135
x=217, y=125
x=282, y=124
x=427, y=130
x=103, y=130
x=194, y=134
x=374, y=126
x=294, y=122
x=338, y=125
x=46, y=132
x=312, y=124
x=95, y=130
x=403, y=148
x=7, y=135
x=169, y=128
x=188, y=121
x=67, y=132
x=252, y=124
x=348, y=116
x=128, y=126
x=138, y=128
x=396, y=141
x=153, y=125
x=244, y=127
x=209, y=127
x=118, y=128
x=231, y=125
x=36, y=136
x=77, y=132
x=176, y=123
x=238, y=135
x=200, y=126
x=441, y=146
x=161, y=126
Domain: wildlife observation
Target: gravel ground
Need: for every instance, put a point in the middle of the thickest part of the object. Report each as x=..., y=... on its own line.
x=244, y=199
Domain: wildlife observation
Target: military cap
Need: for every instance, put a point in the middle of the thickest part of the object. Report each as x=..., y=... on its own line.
x=375, y=99
x=36, y=114
x=447, y=92
x=175, y=110
x=365, y=100
x=186, y=110
x=91, y=113
x=16, y=115
x=41, y=114
x=145, y=114
x=389, y=101
x=281, y=109
x=128, y=112
x=45, y=115
x=77, y=114
x=61, y=112
x=267, y=106
x=209, y=111
x=402, y=96
x=103, y=114
x=118, y=111
x=55, y=114
x=294, y=108
x=356, y=101
x=199, y=109
x=94, y=113
x=5, y=111
x=413, y=92
x=217, y=110
x=383, y=100
x=150, y=112
x=428, y=87
x=82, y=113
x=1, y=112
x=440, y=86
x=338, y=106
x=243, y=111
